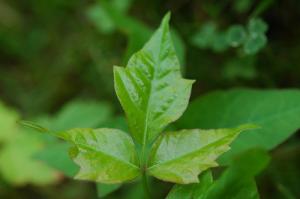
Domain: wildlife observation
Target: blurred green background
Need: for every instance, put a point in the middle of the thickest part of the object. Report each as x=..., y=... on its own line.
x=56, y=63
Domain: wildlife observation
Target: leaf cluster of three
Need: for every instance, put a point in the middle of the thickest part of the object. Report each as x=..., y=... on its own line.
x=153, y=94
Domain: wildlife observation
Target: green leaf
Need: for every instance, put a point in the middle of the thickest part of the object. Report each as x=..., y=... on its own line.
x=150, y=89
x=77, y=113
x=56, y=156
x=242, y=67
x=205, y=36
x=181, y=156
x=8, y=125
x=104, y=155
x=105, y=189
x=256, y=26
x=242, y=5
x=276, y=111
x=137, y=32
x=81, y=114
x=32, y=125
x=254, y=43
x=194, y=190
x=236, y=35
x=101, y=17
x=17, y=165
x=219, y=44
x=236, y=182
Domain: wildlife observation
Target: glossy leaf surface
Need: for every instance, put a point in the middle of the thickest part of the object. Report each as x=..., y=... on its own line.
x=181, y=156
x=276, y=112
x=104, y=155
x=151, y=89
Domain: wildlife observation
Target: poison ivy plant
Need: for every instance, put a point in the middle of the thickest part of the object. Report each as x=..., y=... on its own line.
x=236, y=182
x=153, y=94
x=276, y=111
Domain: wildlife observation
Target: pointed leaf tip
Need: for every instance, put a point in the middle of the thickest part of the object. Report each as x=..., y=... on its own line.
x=167, y=16
x=249, y=126
x=32, y=125
x=166, y=20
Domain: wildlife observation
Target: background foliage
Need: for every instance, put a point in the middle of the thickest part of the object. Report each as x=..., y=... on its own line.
x=56, y=68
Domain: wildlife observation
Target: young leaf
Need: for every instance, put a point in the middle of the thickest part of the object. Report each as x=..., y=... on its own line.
x=277, y=112
x=104, y=155
x=151, y=89
x=181, y=156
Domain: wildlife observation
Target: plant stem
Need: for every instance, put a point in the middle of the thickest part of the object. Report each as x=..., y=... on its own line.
x=145, y=185
x=143, y=167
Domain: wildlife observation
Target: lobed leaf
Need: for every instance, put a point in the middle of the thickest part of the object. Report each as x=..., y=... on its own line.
x=151, y=89
x=181, y=156
x=104, y=155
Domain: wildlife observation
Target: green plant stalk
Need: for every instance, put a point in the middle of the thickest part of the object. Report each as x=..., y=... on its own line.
x=146, y=185
x=143, y=166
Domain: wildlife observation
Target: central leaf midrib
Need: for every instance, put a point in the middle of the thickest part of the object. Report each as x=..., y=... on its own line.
x=156, y=63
